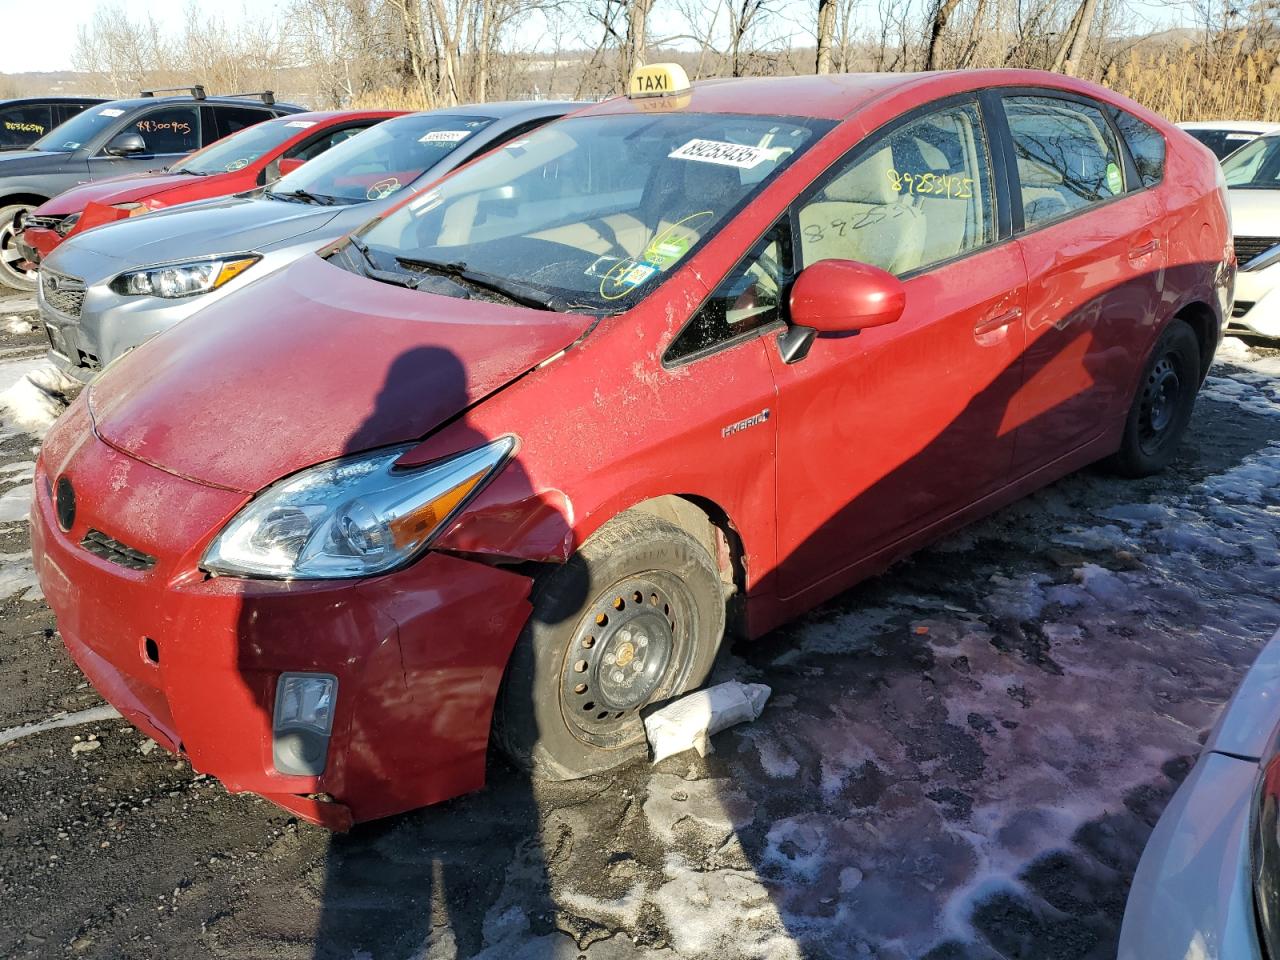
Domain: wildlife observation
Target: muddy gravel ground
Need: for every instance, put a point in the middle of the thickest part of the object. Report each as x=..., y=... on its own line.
x=960, y=759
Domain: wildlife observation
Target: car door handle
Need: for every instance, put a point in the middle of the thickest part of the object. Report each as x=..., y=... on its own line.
x=992, y=324
x=1148, y=248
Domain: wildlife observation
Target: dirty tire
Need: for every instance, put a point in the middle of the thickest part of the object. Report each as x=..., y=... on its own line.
x=10, y=275
x=1162, y=404
x=598, y=647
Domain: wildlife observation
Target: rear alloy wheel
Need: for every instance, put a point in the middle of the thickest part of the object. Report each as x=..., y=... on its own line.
x=634, y=618
x=11, y=273
x=1162, y=406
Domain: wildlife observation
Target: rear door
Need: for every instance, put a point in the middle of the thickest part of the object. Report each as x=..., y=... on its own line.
x=1094, y=246
x=883, y=433
x=23, y=125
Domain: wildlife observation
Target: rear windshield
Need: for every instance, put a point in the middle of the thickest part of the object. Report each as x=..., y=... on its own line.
x=81, y=128
x=1255, y=165
x=382, y=160
x=592, y=211
x=238, y=150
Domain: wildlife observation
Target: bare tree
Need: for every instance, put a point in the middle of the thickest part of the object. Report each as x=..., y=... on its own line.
x=826, y=34
x=942, y=11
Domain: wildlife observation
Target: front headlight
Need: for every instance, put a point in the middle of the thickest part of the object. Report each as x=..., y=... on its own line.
x=66, y=223
x=353, y=517
x=175, y=280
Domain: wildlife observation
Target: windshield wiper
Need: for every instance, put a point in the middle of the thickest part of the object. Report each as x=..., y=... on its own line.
x=306, y=196
x=375, y=272
x=187, y=172
x=522, y=293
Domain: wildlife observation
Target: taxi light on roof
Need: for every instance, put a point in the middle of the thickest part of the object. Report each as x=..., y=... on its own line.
x=658, y=80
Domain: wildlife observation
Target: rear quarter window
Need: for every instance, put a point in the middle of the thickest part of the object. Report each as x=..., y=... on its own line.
x=1146, y=144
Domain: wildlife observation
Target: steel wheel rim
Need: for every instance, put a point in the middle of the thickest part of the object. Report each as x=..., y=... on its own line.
x=1161, y=400
x=630, y=649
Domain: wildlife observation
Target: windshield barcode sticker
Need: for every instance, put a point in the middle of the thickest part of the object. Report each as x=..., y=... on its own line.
x=445, y=136
x=301, y=123
x=721, y=152
x=110, y=112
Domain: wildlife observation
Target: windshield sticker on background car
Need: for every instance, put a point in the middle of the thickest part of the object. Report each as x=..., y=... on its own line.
x=722, y=152
x=444, y=136
x=1239, y=136
x=383, y=188
x=947, y=185
x=235, y=165
x=301, y=123
x=110, y=112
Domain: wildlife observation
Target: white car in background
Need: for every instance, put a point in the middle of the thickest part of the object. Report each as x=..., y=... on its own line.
x=1253, y=181
x=1225, y=137
x=1208, y=884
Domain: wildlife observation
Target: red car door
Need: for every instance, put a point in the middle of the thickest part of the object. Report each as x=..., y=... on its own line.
x=883, y=433
x=1095, y=257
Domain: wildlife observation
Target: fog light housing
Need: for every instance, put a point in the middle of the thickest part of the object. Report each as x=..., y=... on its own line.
x=302, y=722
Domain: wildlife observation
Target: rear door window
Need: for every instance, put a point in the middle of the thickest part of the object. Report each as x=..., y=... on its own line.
x=1066, y=154
x=230, y=119
x=174, y=129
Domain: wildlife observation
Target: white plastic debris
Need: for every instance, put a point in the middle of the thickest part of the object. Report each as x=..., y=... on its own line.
x=690, y=721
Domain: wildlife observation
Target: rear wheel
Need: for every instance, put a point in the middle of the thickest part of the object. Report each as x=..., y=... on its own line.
x=634, y=617
x=11, y=274
x=1162, y=406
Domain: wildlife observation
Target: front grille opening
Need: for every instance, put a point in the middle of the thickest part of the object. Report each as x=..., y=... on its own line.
x=1249, y=247
x=108, y=548
x=63, y=294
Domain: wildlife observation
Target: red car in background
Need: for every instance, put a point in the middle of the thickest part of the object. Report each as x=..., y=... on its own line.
x=529, y=446
x=246, y=159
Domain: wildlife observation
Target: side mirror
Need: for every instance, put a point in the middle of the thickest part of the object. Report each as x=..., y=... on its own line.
x=287, y=165
x=839, y=296
x=126, y=145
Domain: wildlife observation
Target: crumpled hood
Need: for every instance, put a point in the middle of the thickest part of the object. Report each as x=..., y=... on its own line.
x=1255, y=213
x=310, y=363
x=129, y=188
x=230, y=225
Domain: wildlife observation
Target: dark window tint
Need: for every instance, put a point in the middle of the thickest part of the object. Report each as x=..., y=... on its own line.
x=1146, y=144
x=748, y=299
x=1067, y=156
x=1223, y=143
x=917, y=196
x=169, y=130
x=230, y=119
x=63, y=112
x=310, y=149
x=20, y=126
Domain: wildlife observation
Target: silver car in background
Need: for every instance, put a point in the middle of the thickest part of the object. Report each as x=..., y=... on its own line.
x=107, y=290
x=1208, y=884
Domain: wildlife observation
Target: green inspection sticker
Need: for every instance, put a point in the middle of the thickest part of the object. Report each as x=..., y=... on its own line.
x=1114, y=181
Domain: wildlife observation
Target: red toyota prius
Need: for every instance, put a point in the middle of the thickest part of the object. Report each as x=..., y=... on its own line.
x=509, y=463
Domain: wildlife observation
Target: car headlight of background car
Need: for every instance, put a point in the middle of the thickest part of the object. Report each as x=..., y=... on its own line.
x=174, y=280
x=352, y=517
x=66, y=224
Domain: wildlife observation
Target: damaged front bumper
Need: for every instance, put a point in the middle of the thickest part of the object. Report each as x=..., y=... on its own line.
x=194, y=661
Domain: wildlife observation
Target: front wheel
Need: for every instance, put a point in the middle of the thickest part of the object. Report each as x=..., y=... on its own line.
x=12, y=274
x=1162, y=405
x=633, y=618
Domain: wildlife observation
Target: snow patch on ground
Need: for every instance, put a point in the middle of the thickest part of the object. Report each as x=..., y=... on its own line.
x=31, y=396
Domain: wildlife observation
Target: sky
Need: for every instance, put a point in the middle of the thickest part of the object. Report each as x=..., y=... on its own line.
x=45, y=30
